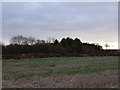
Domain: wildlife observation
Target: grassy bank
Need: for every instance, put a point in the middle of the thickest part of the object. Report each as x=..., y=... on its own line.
x=44, y=67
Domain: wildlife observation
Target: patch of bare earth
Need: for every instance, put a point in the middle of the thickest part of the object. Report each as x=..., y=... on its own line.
x=107, y=79
x=78, y=63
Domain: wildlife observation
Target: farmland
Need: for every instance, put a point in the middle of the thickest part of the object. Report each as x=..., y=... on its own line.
x=61, y=72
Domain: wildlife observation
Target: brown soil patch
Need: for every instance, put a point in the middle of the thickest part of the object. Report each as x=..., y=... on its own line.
x=107, y=79
x=70, y=65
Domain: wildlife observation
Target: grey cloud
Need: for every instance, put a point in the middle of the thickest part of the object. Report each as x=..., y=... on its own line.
x=71, y=15
x=59, y=17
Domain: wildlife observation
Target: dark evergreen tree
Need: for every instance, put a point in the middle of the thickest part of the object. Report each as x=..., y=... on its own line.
x=56, y=42
x=77, y=45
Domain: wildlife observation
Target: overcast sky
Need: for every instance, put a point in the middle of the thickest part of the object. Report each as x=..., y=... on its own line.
x=89, y=21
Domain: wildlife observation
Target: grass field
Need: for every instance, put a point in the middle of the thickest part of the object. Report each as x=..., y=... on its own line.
x=61, y=72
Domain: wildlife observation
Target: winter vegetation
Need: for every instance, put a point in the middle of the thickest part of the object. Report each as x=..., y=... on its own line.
x=33, y=63
x=30, y=47
x=61, y=72
x=83, y=54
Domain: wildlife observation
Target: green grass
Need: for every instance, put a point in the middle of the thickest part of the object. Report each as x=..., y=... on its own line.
x=90, y=68
x=43, y=67
x=54, y=60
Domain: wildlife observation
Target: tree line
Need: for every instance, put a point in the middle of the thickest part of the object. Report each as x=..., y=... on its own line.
x=51, y=47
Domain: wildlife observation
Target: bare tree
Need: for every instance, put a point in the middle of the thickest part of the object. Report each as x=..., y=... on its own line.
x=17, y=40
x=106, y=45
x=43, y=41
x=21, y=40
x=25, y=41
x=50, y=40
x=31, y=40
x=53, y=40
x=37, y=41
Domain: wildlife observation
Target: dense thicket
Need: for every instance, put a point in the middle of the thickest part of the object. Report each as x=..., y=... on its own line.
x=21, y=45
